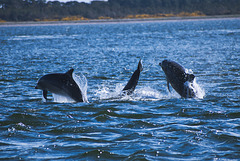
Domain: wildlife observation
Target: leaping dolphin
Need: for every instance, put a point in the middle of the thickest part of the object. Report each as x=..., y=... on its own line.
x=178, y=78
x=132, y=83
x=62, y=84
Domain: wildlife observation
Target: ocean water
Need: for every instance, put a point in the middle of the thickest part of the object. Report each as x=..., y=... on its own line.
x=151, y=124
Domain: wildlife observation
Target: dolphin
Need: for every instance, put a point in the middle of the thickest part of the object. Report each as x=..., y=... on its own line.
x=60, y=83
x=178, y=78
x=132, y=83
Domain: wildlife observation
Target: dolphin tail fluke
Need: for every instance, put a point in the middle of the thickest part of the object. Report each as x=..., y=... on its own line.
x=132, y=83
x=140, y=67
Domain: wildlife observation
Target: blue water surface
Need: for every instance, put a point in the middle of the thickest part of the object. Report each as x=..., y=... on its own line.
x=151, y=124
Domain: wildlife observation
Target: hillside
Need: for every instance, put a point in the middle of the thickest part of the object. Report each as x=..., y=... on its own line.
x=40, y=10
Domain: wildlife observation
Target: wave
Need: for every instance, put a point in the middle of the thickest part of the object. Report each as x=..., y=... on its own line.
x=98, y=154
x=35, y=37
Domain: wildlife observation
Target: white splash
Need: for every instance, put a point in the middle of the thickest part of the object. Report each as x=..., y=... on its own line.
x=188, y=71
x=140, y=94
x=149, y=94
x=105, y=93
x=61, y=99
x=81, y=81
x=199, y=92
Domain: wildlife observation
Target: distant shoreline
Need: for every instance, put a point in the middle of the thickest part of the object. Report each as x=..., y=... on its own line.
x=103, y=21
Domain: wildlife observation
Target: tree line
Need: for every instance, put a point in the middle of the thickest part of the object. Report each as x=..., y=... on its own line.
x=32, y=10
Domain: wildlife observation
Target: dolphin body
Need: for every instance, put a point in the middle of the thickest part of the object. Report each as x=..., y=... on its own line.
x=132, y=83
x=178, y=78
x=62, y=84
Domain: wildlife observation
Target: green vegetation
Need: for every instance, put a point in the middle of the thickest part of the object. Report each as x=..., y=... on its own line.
x=40, y=10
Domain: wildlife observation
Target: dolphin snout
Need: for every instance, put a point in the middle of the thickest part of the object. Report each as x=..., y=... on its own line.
x=164, y=64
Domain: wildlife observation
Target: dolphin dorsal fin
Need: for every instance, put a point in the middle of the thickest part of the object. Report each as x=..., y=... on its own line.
x=190, y=77
x=140, y=67
x=70, y=72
